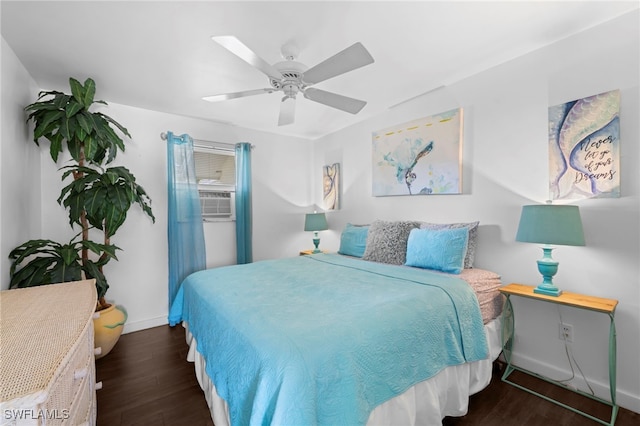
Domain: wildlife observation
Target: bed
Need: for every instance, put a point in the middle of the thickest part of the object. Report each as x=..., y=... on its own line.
x=337, y=339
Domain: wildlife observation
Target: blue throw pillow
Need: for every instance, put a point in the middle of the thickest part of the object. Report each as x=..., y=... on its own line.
x=473, y=237
x=353, y=240
x=443, y=250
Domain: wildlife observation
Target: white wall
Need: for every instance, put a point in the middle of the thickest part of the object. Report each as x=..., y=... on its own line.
x=505, y=167
x=19, y=162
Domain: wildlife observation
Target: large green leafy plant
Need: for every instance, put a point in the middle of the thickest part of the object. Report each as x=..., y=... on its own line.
x=96, y=198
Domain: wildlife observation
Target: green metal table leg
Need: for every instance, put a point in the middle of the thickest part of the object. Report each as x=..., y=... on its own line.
x=508, y=334
x=612, y=366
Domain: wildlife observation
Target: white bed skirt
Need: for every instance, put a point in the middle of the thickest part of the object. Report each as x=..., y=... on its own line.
x=427, y=403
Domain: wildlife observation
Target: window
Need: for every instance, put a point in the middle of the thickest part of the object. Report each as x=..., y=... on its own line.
x=216, y=176
x=215, y=167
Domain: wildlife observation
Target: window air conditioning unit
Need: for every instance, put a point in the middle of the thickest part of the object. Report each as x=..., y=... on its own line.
x=216, y=204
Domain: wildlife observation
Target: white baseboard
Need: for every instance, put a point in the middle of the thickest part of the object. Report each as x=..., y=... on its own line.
x=623, y=398
x=130, y=327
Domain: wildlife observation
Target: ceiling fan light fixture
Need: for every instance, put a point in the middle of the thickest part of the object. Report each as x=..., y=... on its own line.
x=290, y=91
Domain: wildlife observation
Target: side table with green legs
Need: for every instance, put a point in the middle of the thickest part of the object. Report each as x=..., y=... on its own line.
x=596, y=304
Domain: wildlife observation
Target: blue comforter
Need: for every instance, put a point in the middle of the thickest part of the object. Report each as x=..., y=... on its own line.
x=324, y=339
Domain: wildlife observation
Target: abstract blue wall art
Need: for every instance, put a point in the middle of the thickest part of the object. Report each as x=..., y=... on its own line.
x=584, y=148
x=420, y=157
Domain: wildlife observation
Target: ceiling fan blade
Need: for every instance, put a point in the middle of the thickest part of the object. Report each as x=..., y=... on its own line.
x=334, y=100
x=226, y=96
x=239, y=49
x=287, y=111
x=349, y=59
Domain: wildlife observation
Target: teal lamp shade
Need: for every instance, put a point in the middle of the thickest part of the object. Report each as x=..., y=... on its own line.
x=550, y=224
x=315, y=222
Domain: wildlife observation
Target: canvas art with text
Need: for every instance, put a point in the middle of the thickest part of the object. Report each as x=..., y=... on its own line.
x=420, y=157
x=584, y=148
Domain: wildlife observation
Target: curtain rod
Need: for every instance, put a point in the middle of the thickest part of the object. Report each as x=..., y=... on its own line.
x=224, y=146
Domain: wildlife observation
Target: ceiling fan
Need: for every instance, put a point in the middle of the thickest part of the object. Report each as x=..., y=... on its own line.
x=292, y=77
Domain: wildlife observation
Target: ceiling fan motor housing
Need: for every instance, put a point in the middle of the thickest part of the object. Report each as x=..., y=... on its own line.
x=291, y=83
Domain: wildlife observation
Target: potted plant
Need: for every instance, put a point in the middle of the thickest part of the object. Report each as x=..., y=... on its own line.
x=97, y=200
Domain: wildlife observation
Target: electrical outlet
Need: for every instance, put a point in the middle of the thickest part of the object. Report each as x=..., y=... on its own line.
x=565, y=332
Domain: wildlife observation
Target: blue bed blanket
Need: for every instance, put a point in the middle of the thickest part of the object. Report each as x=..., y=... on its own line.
x=324, y=339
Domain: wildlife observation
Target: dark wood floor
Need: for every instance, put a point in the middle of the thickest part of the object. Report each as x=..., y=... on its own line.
x=147, y=381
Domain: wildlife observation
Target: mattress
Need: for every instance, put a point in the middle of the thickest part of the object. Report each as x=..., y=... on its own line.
x=486, y=285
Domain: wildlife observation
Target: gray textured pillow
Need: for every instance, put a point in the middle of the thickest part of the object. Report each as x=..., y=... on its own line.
x=387, y=241
x=473, y=237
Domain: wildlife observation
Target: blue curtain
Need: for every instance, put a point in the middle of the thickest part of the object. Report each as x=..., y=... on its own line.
x=243, y=204
x=185, y=231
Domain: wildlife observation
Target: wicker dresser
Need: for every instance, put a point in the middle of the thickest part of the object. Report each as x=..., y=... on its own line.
x=47, y=364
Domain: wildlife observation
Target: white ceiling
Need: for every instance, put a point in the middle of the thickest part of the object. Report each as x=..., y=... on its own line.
x=159, y=55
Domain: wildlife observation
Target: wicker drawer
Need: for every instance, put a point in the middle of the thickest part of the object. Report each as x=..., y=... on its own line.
x=68, y=385
x=48, y=367
x=81, y=408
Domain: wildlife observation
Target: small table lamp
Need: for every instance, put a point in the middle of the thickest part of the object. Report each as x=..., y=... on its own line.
x=315, y=222
x=550, y=224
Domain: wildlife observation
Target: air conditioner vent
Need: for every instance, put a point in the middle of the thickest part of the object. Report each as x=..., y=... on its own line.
x=215, y=204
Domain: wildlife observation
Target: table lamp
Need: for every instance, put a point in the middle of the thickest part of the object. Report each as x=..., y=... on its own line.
x=550, y=224
x=315, y=222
